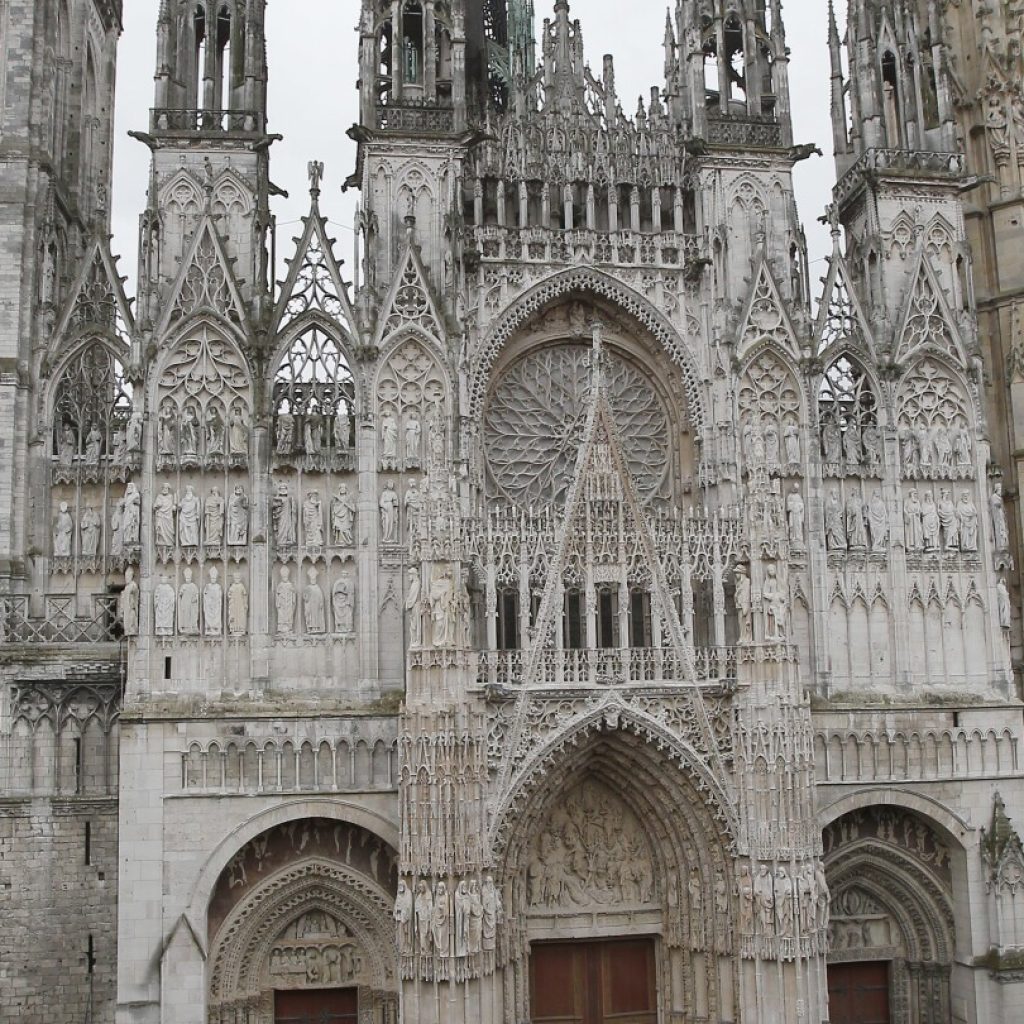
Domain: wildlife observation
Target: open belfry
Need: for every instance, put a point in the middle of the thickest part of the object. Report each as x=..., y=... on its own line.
x=567, y=609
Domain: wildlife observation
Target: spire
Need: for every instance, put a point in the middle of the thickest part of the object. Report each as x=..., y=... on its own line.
x=835, y=45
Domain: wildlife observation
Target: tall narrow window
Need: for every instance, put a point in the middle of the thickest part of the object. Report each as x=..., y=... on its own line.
x=199, y=51
x=736, y=60
x=574, y=628
x=222, y=99
x=607, y=618
x=891, y=98
x=412, y=43
x=640, y=619
x=508, y=621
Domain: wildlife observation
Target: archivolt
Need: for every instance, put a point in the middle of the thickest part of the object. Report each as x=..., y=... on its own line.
x=587, y=280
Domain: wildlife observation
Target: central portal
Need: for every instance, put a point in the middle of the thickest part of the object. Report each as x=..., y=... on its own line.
x=322, y=1006
x=593, y=982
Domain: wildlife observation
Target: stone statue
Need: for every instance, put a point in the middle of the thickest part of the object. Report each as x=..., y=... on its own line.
x=764, y=900
x=131, y=515
x=67, y=447
x=93, y=445
x=744, y=605
x=389, y=514
x=476, y=919
x=424, y=910
x=878, y=522
x=925, y=451
x=238, y=518
x=189, y=435
x=745, y=891
x=791, y=443
x=215, y=431
x=872, y=442
x=313, y=434
x=962, y=450
x=313, y=520
x=442, y=600
x=795, y=515
x=784, y=903
x=967, y=515
x=238, y=432
x=413, y=436
x=948, y=521
x=856, y=528
x=91, y=527
x=343, y=516
x=493, y=914
x=943, y=449
x=238, y=607
x=342, y=429
x=835, y=523
x=388, y=441
x=908, y=452
x=414, y=608
x=189, y=512
x=163, y=607
x=997, y=512
x=282, y=511
x=164, y=511
x=133, y=435
x=284, y=603
x=821, y=895
x=213, y=604
x=342, y=605
x=695, y=888
x=213, y=518
x=1004, y=606
x=166, y=429
x=775, y=606
x=852, y=451
x=912, y=522
x=128, y=604
x=314, y=611
x=63, y=532
x=118, y=452
x=441, y=926
x=460, y=901
x=930, y=522
x=284, y=434
x=188, y=606
x=413, y=510
x=403, y=915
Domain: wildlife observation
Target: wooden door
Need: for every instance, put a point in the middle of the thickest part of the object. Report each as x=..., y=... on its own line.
x=593, y=982
x=322, y=1006
x=859, y=993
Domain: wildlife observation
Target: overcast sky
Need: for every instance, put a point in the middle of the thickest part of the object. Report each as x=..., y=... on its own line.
x=312, y=50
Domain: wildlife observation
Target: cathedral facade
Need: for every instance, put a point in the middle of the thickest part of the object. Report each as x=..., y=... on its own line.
x=564, y=611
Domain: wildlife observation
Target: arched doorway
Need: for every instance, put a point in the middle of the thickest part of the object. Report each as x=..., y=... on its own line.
x=300, y=928
x=892, y=934
x=619, y=886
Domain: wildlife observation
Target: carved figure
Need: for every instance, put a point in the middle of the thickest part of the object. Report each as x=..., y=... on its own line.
x=791, y=443
x=118, y=453
x=744, y=605
x=872, y=442
x=414, y=608
x=943, y=448
x=821, y=895
x=948, y=521
x=238, y=432
x=852, y=450
x=213, y=518
x=128, y=604
x=878, y=522
x=997, y=512
x=784, y=903
x=835, y=523
x=413, y=510
x=775, y=606
x=909, y=452
x=63, y=532
x=442, y=923
x=67, y=446
x=962, y=451
x=93, y=446
x=284, y=434
x=213, y=604
x=388, y=441
x=389, y=514
x=313, y=520
x=313, y=607
x=795, y=514
x=189, y=512
x=925, y=451
x=413, y=435
x=772, y=447
x=745, y=891
x=913, y=528
x=856, y=528
x=215, y=431
x=342, y=429
x=424, y=910
x=189, y=435
x=188, y=606
x=461, y=902
x=133, y=434
x=967, y=516
x=164, y=512
x=493, y=913
x=163, y=607
x=1004, y=606
x=238, y=607
x=282, y=511
x=167, y=430
x=238, y=518
x=343, y=515
x=476, y=919
x=930, y=522
x=313, y=434
x=285, y=600
x=91, y=527
x=342, y=605
x=403, y=915
x=695, y=887
x=442, y=600
x=764, y=899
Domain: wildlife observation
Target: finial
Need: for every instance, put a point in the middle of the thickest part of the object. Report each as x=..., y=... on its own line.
x=597, y=355
x=315, y=170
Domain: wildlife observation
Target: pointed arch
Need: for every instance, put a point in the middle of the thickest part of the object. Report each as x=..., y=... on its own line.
x=770, y=402
x=928, y=325
x=849, y=418
x=411, y=303
x=841, y=321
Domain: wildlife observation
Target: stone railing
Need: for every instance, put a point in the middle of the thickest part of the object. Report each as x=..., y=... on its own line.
x=901, y=161
x=220, y=121
x=607, y=667
x=668, y=249
x=60, y=622
x=345, y=763
x=743, y=130
x=915, y=756
x=419, y=117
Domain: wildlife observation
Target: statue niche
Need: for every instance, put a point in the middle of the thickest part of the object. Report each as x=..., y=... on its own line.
x=590, y=854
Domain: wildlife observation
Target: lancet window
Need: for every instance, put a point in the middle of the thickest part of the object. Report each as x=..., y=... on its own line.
x=851, y=442
x=314, y=404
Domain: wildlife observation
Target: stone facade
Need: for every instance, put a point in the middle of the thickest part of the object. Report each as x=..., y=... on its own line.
x=567, y=569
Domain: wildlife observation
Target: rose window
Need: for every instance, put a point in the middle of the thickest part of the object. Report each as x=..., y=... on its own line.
x=537, y=413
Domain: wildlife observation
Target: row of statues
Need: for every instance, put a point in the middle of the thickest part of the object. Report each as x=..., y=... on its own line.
x=188, y=521
x=774, y=604
x=311, y=433
x=90, y=445
x=776, y=903
x=446, y=924
x=190, y=435
x=777, y=450
x=936, y=453
x=851, y=449
x=314, y=617
x=929, y=525
x=192, y=611
x=90, y=533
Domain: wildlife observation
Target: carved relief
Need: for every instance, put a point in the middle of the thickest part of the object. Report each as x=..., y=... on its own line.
x=769, y=409
x=412, y=409
x=934, y=426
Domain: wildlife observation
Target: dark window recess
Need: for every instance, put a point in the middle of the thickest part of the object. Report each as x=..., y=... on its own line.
x=640, y=632
x=607, y=619
x=508, y=621
x=167, y=668
x=88, y=842
x=575, y=633
x=78, y=765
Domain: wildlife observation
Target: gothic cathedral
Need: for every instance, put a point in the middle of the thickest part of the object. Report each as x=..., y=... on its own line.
x=565, y=611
